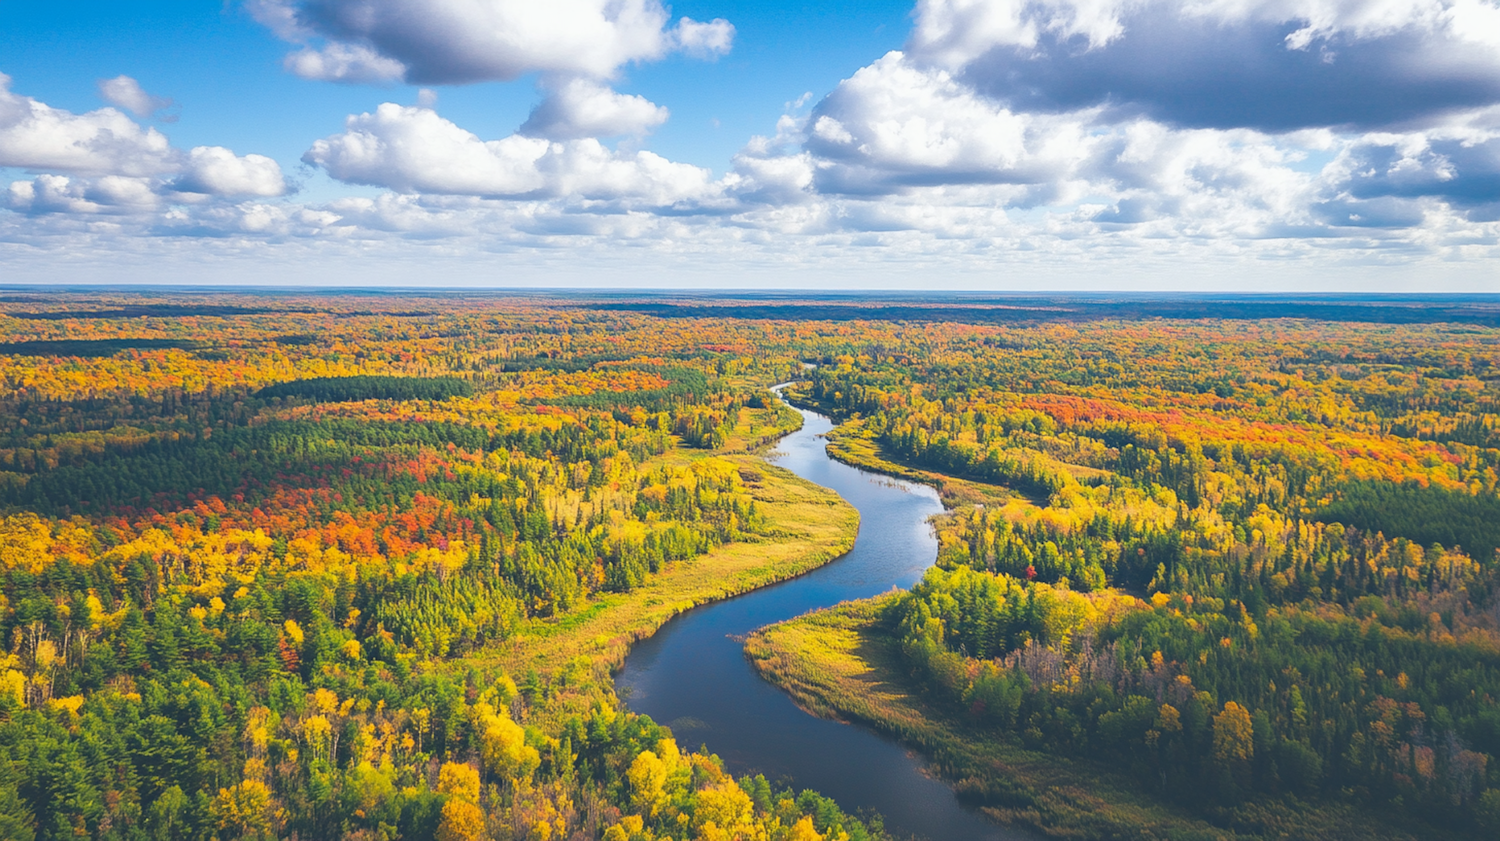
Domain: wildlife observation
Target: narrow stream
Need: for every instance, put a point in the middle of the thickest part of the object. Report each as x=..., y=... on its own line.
x=693, y=674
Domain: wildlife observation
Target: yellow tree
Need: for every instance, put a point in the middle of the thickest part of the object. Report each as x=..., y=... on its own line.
x=459, y=779
x=1234, y=740
x=724, y=810
x=503, y=745
x=647, y=775
x=803, y=830
x=460, y=821
x=244, y=810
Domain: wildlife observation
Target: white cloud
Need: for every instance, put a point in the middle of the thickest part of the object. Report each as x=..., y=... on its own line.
x=704, y=40
x=60, y=194
x=104, y=162
x=350, y=63
x=460, y=41
x=1275, y=65
x=773, y=179
x=893, y=124
x=1084, y=133
x=214, y=170
x=125, y=92
x=414, y=150
x=36, y=137
x=49, y=194
x=582, y=108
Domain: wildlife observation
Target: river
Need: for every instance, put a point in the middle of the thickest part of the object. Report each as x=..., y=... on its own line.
x=693, y=674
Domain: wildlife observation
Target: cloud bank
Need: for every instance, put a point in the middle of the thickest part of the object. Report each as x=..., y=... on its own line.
x=1004, y=132
x=431, y=42
x=104, y=162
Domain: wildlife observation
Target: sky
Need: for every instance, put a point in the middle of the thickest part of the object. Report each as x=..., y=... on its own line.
x=1249, y=145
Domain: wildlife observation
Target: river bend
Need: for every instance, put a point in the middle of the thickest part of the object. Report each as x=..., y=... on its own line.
x=693, y=675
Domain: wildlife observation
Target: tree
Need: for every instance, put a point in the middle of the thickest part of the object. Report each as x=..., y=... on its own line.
x=725, y=807
x=647, y=775
x=461, y=821
x=459, y=779
x=244, y=810
x=1234, y=742
x=803, y=830
x=503, y=745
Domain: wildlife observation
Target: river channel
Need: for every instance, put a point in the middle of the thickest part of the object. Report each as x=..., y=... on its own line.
x=693, y=674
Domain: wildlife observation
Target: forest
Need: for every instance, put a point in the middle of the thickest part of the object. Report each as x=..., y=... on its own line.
x=361, y=567
x=1252, y=563
x=257, y=560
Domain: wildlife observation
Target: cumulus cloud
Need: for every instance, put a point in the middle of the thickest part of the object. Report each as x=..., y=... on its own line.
x=704, y=40
x=125, y=92
x=1396, y=180
x=414, y=150
x=60, y=194
x=37, y=137
x=893, y=124
x=102, y=162
x=1274, y=65
x=217, y=171
x=349, y=63
x=463, y=41
x=582, y=108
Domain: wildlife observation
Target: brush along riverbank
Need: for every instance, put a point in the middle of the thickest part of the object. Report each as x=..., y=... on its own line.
x=841, y=663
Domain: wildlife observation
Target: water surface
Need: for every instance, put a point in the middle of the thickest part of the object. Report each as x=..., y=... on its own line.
x=693, y=674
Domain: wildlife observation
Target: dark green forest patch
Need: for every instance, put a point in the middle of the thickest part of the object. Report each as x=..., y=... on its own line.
x=1425, y=515
x=149, y=310
x=344, y=389
x=92, y=348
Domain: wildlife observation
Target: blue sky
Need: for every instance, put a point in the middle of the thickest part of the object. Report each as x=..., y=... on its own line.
x=225, y=72
x=1247, y=144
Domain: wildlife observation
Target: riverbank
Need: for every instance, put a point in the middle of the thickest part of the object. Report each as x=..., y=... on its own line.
x=839, y=663
x=575, y=655
x=849, y=442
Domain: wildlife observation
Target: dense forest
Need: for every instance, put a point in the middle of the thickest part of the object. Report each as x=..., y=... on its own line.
x=252, y=587
x=1245, y=561
x=262, y=557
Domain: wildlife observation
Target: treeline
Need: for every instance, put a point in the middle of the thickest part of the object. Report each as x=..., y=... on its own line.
x=1211, y=703
x=1291, y=561
x=172, y=468
x=92, y=348
x=343, y=389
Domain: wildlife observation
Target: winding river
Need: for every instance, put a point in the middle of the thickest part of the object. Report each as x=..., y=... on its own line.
x=693, y=674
